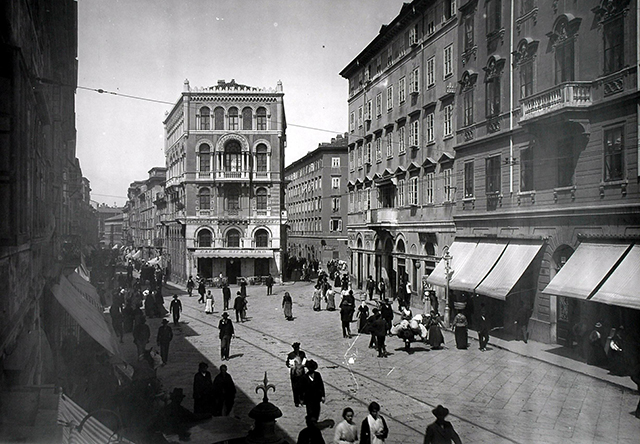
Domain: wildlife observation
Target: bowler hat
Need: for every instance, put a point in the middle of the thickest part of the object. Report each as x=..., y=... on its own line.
x=311, y=365
x=440, y=411
x=164, y=321
x=225, y=314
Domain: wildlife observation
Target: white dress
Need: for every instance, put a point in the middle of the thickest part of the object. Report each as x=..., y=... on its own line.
x=208, y=308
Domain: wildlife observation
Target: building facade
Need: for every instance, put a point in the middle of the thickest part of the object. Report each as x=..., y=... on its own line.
x=224, y=190
x=402, y=96
x=546, y=159
x=316, y=200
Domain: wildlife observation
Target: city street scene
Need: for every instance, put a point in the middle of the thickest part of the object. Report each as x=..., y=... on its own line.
x=365, y=221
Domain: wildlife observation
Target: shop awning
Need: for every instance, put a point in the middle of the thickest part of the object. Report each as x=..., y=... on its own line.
x=514, y=261
x=621, y=287
x=459, y=251
x=87, y=311
x=85, y=287
x=234, y=254
x=585, y=269
x=467, y=276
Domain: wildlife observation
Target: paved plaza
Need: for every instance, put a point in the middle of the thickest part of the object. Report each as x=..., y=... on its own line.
x=495, y=396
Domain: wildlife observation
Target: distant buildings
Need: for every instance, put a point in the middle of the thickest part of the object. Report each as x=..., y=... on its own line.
x=105, y=212
x=316, y=201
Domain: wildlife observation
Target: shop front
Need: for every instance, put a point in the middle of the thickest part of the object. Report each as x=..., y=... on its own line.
x=234, y=263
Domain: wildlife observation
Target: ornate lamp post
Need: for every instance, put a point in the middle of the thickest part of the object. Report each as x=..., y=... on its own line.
x=264, y=415
x=448, y=273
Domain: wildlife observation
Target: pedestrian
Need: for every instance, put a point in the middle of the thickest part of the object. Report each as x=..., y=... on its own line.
x=165, y=335
x=287, y=306
x=379, y=330
x=382, y=289
x=296, y=361
x=522, y=321
x=311, y=434
x=202, y=390
x=190, y=286
x=312, y=389
x=226, y=333
x=374, y=428
x=402, y=293
x=208, y=307
x=375, y=313
x=596, y=354
x=483, y=329
x=225, y=392
x=317, y=297
x=441, y=431
x=362, y=315
x=243, y=287
x=387, y=313
x=436, y=338
x=460, y=328
x=346, y=430
x=371, y=286
x=201, y=290
x=141, y=335
x=173, y=418
x=238, y=306
x=338, y=281
x=346, y=312
x=269, y=283
x=330, y=298
x=117, y=319
x=175, y=308
x=226, y=296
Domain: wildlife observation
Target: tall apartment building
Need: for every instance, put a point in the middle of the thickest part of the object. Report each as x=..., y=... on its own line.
x=224, y=191
x=316, y=200
x=546, y=164
x=402, y=126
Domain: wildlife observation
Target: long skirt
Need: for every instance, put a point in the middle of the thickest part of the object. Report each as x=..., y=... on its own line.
x=288, y=311
x=331, y=301
x=208, y=308
x=435, y=337
x=462, y=337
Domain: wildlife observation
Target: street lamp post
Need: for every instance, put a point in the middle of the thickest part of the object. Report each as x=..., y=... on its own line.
x=448, y=273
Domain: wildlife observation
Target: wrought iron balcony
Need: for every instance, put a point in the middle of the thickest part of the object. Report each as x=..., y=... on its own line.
x=570, y=95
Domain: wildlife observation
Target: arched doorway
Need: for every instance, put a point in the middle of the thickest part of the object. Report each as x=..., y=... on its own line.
x=402, y=266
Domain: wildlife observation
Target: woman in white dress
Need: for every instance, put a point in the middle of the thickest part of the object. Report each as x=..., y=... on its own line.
x=208, y=308
x=347, y=430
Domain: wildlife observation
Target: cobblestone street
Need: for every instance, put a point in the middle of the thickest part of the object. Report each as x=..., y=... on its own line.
x=495, y=396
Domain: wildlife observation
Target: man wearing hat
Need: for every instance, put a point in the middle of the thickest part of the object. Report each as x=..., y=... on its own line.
x=174, y=418
x=165, y=335
x=226, y=333
x=312, y=389
x=296, y=361
x=441, y=431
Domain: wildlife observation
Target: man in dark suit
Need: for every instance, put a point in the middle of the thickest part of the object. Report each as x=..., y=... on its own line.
x=441, y=431
x=226, y=333
x=312, y=389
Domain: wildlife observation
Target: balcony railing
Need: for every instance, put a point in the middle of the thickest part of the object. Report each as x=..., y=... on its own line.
x=566, y=95
x=232, y=174
x=383, y=216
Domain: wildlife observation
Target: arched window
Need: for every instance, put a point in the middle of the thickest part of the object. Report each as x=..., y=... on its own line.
x=204, y=154
x=262, y=239
x=261, y=119
x=232, y=157
x=261, y=158
x=218, y=117
x=261, y=199
x=205, y=118
x=233, y=119
x=204, y=238
x=233, y=198
x=247, y=118
x=233, y=239
x=204, y=197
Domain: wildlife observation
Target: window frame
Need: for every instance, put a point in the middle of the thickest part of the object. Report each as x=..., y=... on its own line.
x=402, y=93
x=431, y=71
x=447, y=57
x=493, y=171
x=401, y=140
x=447, y=121
x=389, y=98
x=430, y=127
x=607, y=154
x=469, y=180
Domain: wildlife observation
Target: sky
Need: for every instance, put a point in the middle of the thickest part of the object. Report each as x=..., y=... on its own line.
x=147, y=48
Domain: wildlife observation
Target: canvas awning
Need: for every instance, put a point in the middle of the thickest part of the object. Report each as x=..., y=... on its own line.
x=514, y=261
x=83, y=306
x=585, y=269
x=621, y=287
x=459, y=251
x=467, y=276
x=234, y=254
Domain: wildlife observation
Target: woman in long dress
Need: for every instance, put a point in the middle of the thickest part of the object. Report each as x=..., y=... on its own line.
x=460, y=327
x=317, y=297
x=363, y=315
x=208, y=308
x=436, y=339
x=347, y=430
x=287, y=306
x=331, y=300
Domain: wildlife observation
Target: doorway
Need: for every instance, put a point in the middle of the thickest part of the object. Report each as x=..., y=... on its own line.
x=205, y=267
x=233, y=270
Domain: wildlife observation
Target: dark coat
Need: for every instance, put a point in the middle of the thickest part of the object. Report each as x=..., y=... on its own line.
x=226, y=293
x=437, y=434
x=310, y=435
x=379, y=327
x=224, y=387
x=365, y=432
x=226, y=328
x=165, y=334
x=239, y=303
x=202, y=385
x=313, y=390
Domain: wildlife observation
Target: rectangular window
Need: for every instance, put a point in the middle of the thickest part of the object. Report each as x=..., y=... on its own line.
x=449, y=9
x=367, y=154
x=414, y=81
x=564, y=62
x=335, y=204
x=359, y=156
x=431, y=72
x=492, y=175
x=234, y=122
x=414, y=135
x=494, y=16
x=493, y=97
x=390, y=56
x=335, y=183
x=526, y=79
x=429, y=128
x=352, y=164
x=526, y=169
x=468, y=179
x=389, y=144
x=401, y=193
x=401, y=145
x=379, y=105
x=449, y=190
x=468, y=33
x=614, y=154
x=413, y=191
x=468, y=107
x=401, y=90
x=613, y=45
x=378, y=149
x=413, y=35
x=352, y=122
x=389, y=97
x=336, y=225
x=261, y=122
x=447, y=120
x=360, y=117
x=429, y=187
x=335, y=162
x=368, y=111
x=448, y=61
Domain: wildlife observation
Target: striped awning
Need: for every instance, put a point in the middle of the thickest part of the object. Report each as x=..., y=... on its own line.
x=621, y=287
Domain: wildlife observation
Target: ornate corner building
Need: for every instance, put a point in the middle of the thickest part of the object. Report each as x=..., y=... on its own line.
x=224, y=189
